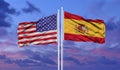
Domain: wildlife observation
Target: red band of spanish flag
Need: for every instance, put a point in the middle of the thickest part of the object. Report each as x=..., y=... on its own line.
x=77, y=28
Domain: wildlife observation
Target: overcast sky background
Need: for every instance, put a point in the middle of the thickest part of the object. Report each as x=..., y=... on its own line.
x=77, y=55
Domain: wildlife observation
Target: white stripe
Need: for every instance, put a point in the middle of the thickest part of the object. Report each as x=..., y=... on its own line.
x=36, y=33
x=30, y=29
x=38, y=37
x=23, y=25
x=42, y=42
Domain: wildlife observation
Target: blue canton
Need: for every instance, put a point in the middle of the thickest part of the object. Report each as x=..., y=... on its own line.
x=47, y=23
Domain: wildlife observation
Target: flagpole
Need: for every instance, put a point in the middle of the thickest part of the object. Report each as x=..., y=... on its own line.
x=62, y=36
x=58, y=40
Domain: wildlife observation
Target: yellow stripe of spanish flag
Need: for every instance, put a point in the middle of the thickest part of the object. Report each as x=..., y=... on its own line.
x=77, y=28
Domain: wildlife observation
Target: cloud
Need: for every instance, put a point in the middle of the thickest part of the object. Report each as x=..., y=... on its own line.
x=72, y=59
x=2, y=57
x=97, y=6
x=31, y=8
x=112, y=24
x=43, y=59
x=68, y=44
x=3, y=32
x=107, y=61
x=99, y=56
x=27, y=58
x=110, y=53
x=5, y=9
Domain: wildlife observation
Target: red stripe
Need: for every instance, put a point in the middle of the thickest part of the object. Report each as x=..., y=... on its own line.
x=76, y=17
x=23, y=28
x=25, y=23
x=48, y=43
x=38, y=35
x=83, y=38
x=72, y=16
x=36, y=40
x=97, y=20
x=28, y=32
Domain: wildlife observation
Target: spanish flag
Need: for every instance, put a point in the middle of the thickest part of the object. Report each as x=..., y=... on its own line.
x=76, y=28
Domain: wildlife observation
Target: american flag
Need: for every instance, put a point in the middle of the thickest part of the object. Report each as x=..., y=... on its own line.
x=35, y=33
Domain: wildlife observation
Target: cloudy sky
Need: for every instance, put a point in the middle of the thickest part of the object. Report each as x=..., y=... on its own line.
x=77, y=55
